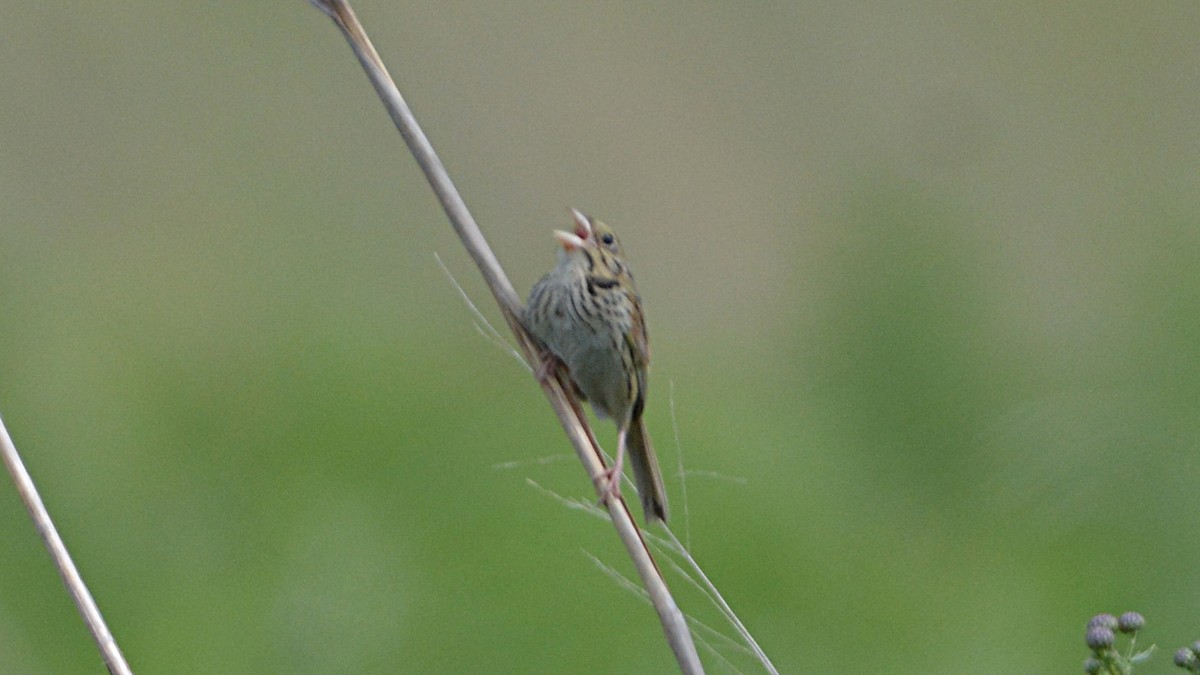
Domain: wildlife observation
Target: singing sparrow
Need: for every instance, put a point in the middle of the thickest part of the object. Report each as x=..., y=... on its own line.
x=588, y=314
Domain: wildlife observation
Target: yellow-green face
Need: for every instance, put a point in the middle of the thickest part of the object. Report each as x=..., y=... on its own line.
x=601, y=252
x=593, y=246
x=604, y=237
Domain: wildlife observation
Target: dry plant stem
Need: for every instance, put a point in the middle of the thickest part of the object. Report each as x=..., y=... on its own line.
x=62, y=560
x=671, y=618
x=710, y=589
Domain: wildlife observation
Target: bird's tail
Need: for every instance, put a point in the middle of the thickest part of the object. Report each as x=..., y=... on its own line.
x=646, y=473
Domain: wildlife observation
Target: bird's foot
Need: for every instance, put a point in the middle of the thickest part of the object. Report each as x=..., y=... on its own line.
x=548, y=366
x=608, y=484
x=609, y=481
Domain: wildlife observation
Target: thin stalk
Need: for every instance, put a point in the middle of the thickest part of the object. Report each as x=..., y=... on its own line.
x=62, y=560
x=565, y=407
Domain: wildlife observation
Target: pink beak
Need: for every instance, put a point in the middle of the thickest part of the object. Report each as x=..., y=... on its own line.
x=577, y=239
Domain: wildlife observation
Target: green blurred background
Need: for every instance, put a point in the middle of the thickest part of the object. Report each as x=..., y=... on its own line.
x=923, y=288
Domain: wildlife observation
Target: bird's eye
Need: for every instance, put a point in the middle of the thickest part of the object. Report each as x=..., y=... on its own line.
x=608, y=239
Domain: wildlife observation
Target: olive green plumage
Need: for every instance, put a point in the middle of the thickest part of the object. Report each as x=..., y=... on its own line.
x=588, y=314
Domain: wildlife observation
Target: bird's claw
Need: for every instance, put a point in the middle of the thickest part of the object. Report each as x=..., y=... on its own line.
x=549, y=364
x=608, y=484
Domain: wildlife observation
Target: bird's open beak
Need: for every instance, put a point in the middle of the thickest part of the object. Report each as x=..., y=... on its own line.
x=577, y=239
x=569, y=240
x=583, y=224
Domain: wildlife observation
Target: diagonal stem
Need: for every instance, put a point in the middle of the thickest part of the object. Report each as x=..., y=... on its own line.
x=671, y=618
x=62, y=559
